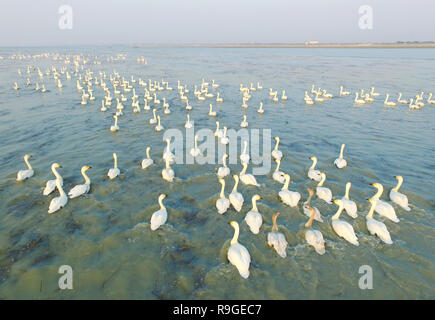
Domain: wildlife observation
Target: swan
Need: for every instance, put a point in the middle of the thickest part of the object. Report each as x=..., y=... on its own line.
x=51, y=184
x=317, y=98
x=218, y=98
x=342, y=228
x=276, y=154
x=413, y=106
x=168, y=155
x=429, y=99
x=222, y=204
x=154, y=119
x=259, y=87
x=314, y=237
x=397, y=197
x=194, y=152
x=166, y=111
x=168, y=173
x=373, y=93
x=115, y=127
x=389, y=103
x=307, y=210
x=218, y=132
x=313, y=173
x=290, y=198
x=236, y=198
x=260, y=110
x=343, y=93
x=103, y=107
x=224, y=170
x=275, y=98
x=322, y=192
x=146, y=106
x=283, y=96
x=114, y=172
x=376, y=227
x=400, y=100
x=211, y=113
x=244, y=156
x=58, y=202
x=340, y=162
x=158, y=127
x=160, y=216
x=358, y=101
x=81, y=189
x=225, y=139
x=278, y=175
x=349, y=205
x=253, y=218
x=237, y=254
x=383, y=208
x=147, y=161
x=367, y=98
x=25, y=174
x=244, y=123
x=188, y=124
x=276, y=239
x=327, y=95
x=188, y=106
x=247, y=178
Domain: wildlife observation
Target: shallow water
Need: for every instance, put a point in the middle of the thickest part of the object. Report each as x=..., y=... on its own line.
x=105, y=236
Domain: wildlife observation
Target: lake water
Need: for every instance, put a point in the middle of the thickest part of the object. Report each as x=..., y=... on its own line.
x=106, y=237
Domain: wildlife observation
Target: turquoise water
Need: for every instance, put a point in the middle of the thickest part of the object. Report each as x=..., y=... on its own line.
x=105, y=236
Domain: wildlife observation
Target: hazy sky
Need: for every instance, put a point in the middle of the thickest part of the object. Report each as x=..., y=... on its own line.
x=34, y=22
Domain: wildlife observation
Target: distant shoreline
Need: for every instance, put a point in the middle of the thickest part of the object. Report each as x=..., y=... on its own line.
x=295, y=45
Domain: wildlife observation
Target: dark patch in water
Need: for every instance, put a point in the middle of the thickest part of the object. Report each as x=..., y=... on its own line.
x=72, y=227
x=42, y=258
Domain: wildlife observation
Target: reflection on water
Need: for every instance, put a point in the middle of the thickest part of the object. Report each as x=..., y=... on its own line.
x=106, y=237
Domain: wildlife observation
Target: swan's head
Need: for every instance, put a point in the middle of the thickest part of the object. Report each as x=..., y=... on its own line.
x=84, y=168
x=377, y=186
x=162, y=196
x=56, y=165
x=226, y=155
x=323, y=175
x=256, y=197
x=221, y=180
x=27, y=156
x=234, y=224
x=348, y=185
x=399, y=178
x=236, y=177
x=310, y=191
x=338, y=202
x=313, y=158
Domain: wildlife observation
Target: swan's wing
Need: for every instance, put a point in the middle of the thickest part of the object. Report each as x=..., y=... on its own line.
x=158, y=218
x=78, y=190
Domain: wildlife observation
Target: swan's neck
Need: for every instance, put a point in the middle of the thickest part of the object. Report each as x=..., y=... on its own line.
x=154, y=113
x=309, y=199
x=224, y=161
x=28, y=164
x=287, y=182
x=278, y=163
x=148, y=153
x=158, y=121
x=314, y=164
x=115, y=159
x=310, y=221
x=346, y=195
x=276, y=145
x=372, y=208
x=161, y=204
x=59, y=187
x=116, y=122
x=236, y=235
x=222, y=195
x=245, y=147
x=196, y=142
x=235, y=185
x=87, y=180
x=336, y=216
x=245, y=167
x=379, y=193
x=322, y=181
x=341, y=151
x=254, y=204
x=217, y=127
x=167, y=163
x=274, y=227
x=56, y=173
x=399, y=184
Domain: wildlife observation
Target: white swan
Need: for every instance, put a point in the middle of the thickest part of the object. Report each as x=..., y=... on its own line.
x=276, y=239
x=342, y=228
x=218, y=98
x=313, y=173
x=158, y=127
x=168, y=173
x=278, y=175
x=276, y=154
x=283, y=96
x=260, y=110
x=290, y=198
x=376, y=227
x=194, y=152
x=25, y=174
x=389, y=103
x=236, y=198
x=384, y=208
x=51, y=184
x=306, y=207
x=323, y=192
x=168, y=155
x=103, y=107
x=81, y=189
x=244, y=156
x=247, y=178
x=114, y=172
x=429, y=99
x=160, y=216
x=154, y=119
x=58, y=202
x=115, y=127
x=211, y=113
x=400, y=100
x=343, y=93
x=224, y=170
x=413, y=106
x=358, y=101
x=397, y=197
x=244, y=123
x=222, y=204
x=225, y=139
x=253, y=217
x=188, y=123
x=373, y=93
x=218, y=132
x=237, y=254
x=147, y=161
x=340, y=162
x=314, y=237
x=349, y=205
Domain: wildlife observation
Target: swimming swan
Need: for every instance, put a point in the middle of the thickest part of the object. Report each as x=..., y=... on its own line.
x=313, y=173
x=114, y=172
x=237, y=254
x=194, y=152
x=376, y=227
x=222, y=204
x=342, y=228
x=25, y=174
x=276, y=239
x=160, y=216
x=244, y=156
x=168, y=173
x=58, y=202
x=323, y=192
x=253, y=217
x=147, y=161
x=340, y=162
x=278, y=175
x=307, y=208
x=276, y=154
x=290, y=198
x=224, y=170
x=51, y=184
x=389, y=103
x=81, y=189
x=115, y=127
x=349, y=205
x=236, y=198
x=397, y=197
x=314, y=237
x=384, y=208
x=247, y=178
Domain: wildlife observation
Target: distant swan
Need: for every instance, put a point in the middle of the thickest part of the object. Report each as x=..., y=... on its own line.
x=323, y=192
x=224, y=170
x=278, y=175
x=276, y=154
x=247, y=178
x=244, y=156
x=306, y=207
x=147, y=161
x=115, y=127
x=253, y=217
x=397, y=197
x=389, y=103
x=340, y=162
x=194, y=152
x=290, y=198
x=313, y=173
x=114, y=172
x=168, y=173
x=25, y=174
x=349, y=205
x=222, y=204
x=236, y=198
x=160, y=216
